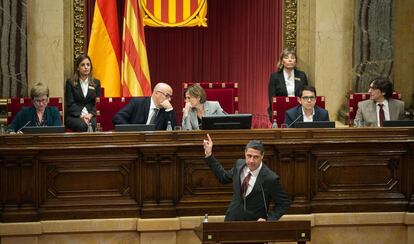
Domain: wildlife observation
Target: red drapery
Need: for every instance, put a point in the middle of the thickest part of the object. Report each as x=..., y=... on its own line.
x=240, y=44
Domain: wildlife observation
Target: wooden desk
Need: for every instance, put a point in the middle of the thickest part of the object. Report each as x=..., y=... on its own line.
x=254, y=232
x=163, y=174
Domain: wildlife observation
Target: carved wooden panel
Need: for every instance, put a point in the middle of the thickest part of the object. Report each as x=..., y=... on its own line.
x=95, y=178
x=163, y=174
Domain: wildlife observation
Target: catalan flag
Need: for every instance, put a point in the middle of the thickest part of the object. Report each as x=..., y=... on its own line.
x=135, y=76
x=104, y=47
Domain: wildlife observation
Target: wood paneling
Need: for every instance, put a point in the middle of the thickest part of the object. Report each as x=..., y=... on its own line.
x=163, y=174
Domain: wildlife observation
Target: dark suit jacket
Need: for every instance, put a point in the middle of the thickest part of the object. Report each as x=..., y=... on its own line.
x=137, y=111
x=27, y=114
x=293, y=113
x=277, y=86
x=253, y=206
x=75, y=101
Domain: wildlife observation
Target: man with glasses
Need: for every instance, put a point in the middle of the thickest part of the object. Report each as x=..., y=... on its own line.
x=307, y=110
x=380, y=106
x=156, y=109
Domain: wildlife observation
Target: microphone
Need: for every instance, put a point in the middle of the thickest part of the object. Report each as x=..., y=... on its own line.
x=264, y=200
x=28, y=122
x=294, y=121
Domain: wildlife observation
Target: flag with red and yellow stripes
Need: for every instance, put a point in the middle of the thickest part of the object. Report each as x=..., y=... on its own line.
x=104, y=47
x=175, y=13
x=135, y=76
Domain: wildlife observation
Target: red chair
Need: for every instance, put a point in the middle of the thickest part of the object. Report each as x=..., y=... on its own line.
x=281, y=104
x=355, y=98
x=226, y=93
x=106, y=108
x=14, y=105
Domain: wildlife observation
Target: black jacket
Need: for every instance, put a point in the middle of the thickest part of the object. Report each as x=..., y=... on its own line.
x=253, y=206
x=137, y=111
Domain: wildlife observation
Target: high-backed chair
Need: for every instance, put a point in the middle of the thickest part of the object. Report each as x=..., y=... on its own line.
x=355, y=98
x=226, y=93
x=14, y=105
x=281, y=104
x=106, y=108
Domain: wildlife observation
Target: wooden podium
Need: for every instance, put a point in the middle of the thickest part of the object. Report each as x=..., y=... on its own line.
x=254, y=231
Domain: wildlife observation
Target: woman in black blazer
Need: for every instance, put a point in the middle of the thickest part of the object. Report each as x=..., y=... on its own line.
x=80, y=94
x=287, y=81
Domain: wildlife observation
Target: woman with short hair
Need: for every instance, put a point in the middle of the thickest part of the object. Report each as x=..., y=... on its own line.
x=40, y=114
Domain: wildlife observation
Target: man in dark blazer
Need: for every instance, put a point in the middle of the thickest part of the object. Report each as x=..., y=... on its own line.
x=254, y=185
x=156, y=109
x=307, y=111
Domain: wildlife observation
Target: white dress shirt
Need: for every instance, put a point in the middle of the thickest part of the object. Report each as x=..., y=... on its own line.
x=253, y=177
x=290, y=82
x=386, y=109
x=84, y=86
x=152, y=110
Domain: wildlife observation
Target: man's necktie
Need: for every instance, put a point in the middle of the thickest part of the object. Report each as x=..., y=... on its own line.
x=245, y=184
x=154, y=115
x=381, y=114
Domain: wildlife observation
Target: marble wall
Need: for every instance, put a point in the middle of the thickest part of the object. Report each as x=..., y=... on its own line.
x=403, y=72
x=324, y=44
x=49, y=25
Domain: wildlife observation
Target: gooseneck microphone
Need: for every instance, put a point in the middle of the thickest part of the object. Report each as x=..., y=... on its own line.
x=294, y=121
x=28, y=122
x=264, y=201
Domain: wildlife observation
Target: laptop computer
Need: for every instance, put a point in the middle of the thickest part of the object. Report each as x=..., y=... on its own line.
x=227, y=121
x=398, y=123
x=134, y=127
x=43, y=129
x=315, y=124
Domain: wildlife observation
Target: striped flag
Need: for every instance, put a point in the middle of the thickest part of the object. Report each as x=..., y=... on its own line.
x=174, y=13
x=135, y=77
x=104, y=47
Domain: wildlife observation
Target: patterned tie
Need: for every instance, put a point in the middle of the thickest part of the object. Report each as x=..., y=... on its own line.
x=245, y=184
x=381, y=114
x=154, y=115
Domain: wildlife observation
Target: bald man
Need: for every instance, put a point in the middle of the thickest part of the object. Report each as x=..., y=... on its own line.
x=156, y=109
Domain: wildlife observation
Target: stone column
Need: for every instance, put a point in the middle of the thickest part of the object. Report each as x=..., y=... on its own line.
x=373, y=44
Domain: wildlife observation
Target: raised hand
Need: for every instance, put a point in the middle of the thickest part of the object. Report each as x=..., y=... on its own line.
x=208, y=146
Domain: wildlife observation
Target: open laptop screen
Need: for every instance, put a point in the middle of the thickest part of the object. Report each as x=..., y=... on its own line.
x=398, y=123
x=228, y=121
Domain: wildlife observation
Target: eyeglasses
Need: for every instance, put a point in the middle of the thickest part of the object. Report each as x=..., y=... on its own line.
x=165, y=94
x=43, y=100
x=310, y=98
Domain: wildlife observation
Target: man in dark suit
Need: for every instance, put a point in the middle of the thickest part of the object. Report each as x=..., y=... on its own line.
x=254, y=185
x=156, y=109
x=307, y=111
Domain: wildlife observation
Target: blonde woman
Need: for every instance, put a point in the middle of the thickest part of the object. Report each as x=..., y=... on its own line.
x=288, y=80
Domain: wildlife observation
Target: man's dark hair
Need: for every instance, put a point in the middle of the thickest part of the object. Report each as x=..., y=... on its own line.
x=255, y=144
x=307, y=88
x=384, y=85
